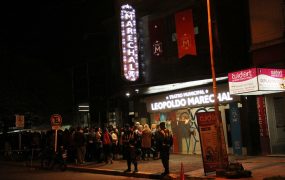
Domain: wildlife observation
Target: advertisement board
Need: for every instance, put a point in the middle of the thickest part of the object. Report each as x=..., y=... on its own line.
x=243, y=81
x=271, y=79
x=209, y=145
x=256, y=81
x=235, y=128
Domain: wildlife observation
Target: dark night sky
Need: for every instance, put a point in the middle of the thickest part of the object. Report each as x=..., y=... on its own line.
x=40, y=40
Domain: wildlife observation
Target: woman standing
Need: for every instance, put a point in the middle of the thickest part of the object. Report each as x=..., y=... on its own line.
x=146, y=141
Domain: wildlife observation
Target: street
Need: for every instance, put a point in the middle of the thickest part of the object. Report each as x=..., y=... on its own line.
x=10, y=172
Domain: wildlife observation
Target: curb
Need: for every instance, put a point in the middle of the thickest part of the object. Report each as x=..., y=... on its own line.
x=115, y=172
x=136, y=175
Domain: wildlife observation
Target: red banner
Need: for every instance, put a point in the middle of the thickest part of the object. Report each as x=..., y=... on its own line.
x=263, y=127
x=156, y=33
x=185, y=33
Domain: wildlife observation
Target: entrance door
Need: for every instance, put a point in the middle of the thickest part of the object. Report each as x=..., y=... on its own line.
x=276, y=121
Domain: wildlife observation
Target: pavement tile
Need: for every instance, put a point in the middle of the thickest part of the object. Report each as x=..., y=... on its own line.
x=260, y=166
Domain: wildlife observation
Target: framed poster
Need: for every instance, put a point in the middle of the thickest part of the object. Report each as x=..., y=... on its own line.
x=209, y=138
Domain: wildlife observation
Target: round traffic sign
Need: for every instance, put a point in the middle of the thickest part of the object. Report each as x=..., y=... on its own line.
x=55, y=120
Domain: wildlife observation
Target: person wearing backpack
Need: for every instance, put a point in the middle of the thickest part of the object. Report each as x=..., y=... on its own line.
x=165, y=141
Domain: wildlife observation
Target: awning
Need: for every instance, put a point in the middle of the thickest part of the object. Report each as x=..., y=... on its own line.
x=256, y=81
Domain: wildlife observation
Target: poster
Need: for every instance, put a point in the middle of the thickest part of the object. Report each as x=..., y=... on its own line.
x=235, y=129
x=208, y=137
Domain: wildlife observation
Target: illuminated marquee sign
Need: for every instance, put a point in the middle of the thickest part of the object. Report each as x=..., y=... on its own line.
x=185, y=99
x=129, y=43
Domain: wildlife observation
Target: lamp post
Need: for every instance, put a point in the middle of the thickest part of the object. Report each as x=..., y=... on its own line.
x=219, y=126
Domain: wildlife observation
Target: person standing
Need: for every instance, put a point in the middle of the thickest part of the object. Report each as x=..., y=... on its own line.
x=154, y=143
x=107, y=146
x=130, y=143
x=80, y=144
x=90, y=147
x=146, y=141
x=115, y=143
x=98, y=145
x=165, y=141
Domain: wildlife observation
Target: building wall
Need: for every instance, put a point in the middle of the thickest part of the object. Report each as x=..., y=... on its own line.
x=267, y=46
x=267, y=20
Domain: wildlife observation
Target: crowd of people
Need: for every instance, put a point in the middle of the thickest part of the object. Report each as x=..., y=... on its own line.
x=108, y=144
x=131, y=143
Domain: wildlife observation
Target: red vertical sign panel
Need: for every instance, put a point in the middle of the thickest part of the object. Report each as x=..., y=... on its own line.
x=263, y=127
x=185, y=33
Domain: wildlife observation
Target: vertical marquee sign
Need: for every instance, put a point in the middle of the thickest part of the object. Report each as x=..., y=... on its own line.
x=129, y=43
x=263, y=126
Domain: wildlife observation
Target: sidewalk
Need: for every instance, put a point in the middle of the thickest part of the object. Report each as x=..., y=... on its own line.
x=260, y=166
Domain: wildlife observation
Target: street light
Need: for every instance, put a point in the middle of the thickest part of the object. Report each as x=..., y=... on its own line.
x=219, y=126
x=128, y=94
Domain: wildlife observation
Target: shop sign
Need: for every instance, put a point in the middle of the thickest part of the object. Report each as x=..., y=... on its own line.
x=271, y=79
x=243, y=81
x=191, y=98
x=129, y=43
x=257, y=81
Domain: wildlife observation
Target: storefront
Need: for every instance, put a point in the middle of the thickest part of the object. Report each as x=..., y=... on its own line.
x=179, y=109
x=268, y=86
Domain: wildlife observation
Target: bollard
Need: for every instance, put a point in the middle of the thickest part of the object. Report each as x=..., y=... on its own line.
x=182, y=177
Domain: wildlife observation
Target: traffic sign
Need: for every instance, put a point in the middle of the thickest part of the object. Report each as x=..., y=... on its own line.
x=20, y=121
x=56, y=121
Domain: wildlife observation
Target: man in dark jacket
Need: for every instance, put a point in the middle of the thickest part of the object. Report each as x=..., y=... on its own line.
x=130, y=143
x=80, y=143
x=165, y=141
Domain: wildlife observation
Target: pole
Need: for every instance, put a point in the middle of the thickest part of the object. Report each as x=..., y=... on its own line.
x=88, y=94
x=55, y=141
x=216, y=103
x=74, y=107
x=20, y=140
